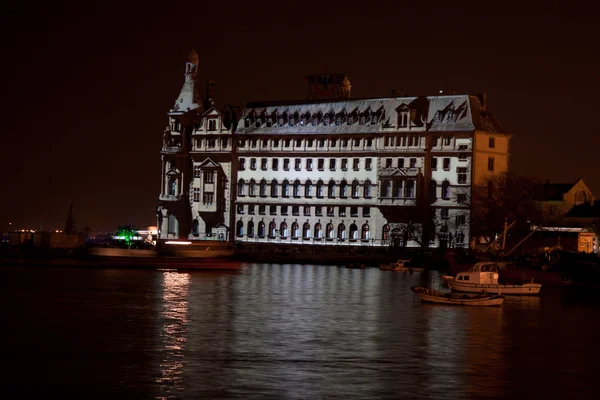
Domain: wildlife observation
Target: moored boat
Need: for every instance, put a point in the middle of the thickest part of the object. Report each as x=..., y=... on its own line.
x=483, y=278
x=429, y=295
x=399, y=265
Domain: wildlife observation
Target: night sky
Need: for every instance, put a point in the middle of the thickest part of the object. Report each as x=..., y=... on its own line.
x=85, y=91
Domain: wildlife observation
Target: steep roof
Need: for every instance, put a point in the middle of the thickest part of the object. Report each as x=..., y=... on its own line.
x=585, y=210
x=552, y=191
x=442, y=113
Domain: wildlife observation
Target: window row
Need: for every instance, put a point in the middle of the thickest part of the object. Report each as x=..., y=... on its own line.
x=307, y=163
x=209, y=176
x=389, y=163
x=305, y=143
x=329, y=232
x=211, y=143
x=307, y=211
x=398, y=189
x=402, y=141
x=327, y=119
x=306, y=189
x=461, y=198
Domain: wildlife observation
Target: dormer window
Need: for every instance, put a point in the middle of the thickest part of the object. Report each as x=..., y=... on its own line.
x=212, y=125
x=338, y=121
x=350, y=120
x=280, y=121
x=403, y=119
x=303, y=120
x=247, y=123
x=258, y=123
x=326, y=120
x=315, y=121
x=292, y=121
x=269, y=122
x=362, y=120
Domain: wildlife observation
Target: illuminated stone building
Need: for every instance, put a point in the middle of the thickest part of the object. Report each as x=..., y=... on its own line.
x=196, y=165
x=393, y=171
x=384, y=171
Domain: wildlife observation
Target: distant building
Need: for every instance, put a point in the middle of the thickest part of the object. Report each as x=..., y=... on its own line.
x=556, y=200
x=393, y=171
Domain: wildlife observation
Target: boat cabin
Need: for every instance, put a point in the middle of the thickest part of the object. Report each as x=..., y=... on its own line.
x=485, y=273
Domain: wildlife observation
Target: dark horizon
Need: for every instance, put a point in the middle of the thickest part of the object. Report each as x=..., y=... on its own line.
x=87, y=90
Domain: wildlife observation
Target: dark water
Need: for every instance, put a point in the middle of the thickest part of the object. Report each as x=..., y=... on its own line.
x=285, y=332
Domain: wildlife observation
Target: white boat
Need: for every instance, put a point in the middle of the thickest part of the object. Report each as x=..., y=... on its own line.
x=483, y=278
x=400, y=265
x=457, y=299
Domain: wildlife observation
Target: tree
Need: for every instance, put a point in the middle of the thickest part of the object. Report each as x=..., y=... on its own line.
x=503, y=197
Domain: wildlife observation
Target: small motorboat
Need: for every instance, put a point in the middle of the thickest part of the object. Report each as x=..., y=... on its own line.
x=399, y=265
x=483, y=277
x=429, y=295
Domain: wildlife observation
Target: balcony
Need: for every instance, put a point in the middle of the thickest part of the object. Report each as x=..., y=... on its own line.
x=169, y=197
x=172, y=149
x=397, y=171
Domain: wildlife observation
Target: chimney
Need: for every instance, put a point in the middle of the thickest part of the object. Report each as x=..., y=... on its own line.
x=483, y=100
x=208, y=97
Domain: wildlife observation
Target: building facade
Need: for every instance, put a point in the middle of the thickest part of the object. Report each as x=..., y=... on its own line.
x=196, y=160
x=395, y=171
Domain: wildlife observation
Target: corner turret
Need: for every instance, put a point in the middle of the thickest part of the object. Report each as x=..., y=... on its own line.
x=189, y=97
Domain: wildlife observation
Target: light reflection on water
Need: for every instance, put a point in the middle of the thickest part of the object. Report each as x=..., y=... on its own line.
x=289, y=331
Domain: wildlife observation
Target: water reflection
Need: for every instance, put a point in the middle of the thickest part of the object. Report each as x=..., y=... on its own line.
x=174, y=330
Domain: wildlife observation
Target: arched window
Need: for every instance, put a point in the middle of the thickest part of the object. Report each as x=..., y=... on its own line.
x=250, y=229
x=446, y=190
x=318, y=231
x=241, y=187
x=364, y=233
x=386, y=232
x=295, y=230
x=353, y=232
x=195, y=227
x=285, y=189
x=432, y=191
x=239, y=228
x=274, y=188
x=320, y=192
x=308, y=188
x=343, y=189
x=331, y=189
x=409, y=189
x=172, y=225
x=355, y=189
x=341, y=233
x=367, y=189
x=296, y=188
x=306, y=230
x=263, y=188
x=283, y=230
x=172, y=186
x=261, y=229
x=272, y=230
x=329, y=231
x=252, y=188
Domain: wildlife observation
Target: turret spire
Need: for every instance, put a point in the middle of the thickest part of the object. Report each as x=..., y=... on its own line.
x=189, y=97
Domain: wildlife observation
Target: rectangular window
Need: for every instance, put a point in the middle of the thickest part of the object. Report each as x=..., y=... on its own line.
x=196, y=194
x=211, y=143
x=446, y=164
x=354, y=211
x=265, y=144
x=369, y=142
x=434, y=163
x=401, y=163
x=242, y=143
x=321, y=143
x=262, y=210
x=490, y=163
x=321, y=164
x=309, y=142
x=355, y=164
x=344, y=142
x=275, y=164
x=298, y=142
x=366, y=211
x=341, y=211
x=251, y=209
x=368, y=164
x=286, y=164
x=414, y=141
x=460, y=220
x=444, y=213
x=197, y=170
x=492, y=142
x=413, y=163
x=461, y=175
x=356, y=142
x=319, y=211
x=461, y=198
x=287, y=143
x=306, y=211
x=344, y=164
x=434, y=141
x=388, y=163
x=253, y=143
x=209, y=177
x=263, y=164
x=224, y=143
x=240, y=209
x=296, y=210
x=333, y=143
x=447, y=140
x=275, y=142
x=332, y=164
x=284, y=210
x=330, y=211
x=253, y=164
x=297, y=164
x=309, y=164
x=208, y=198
